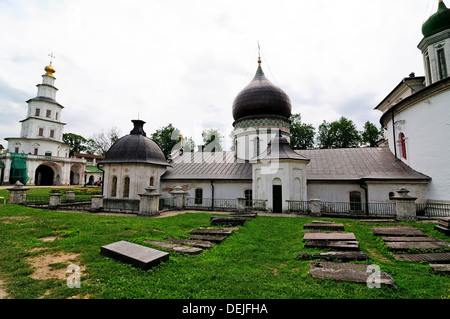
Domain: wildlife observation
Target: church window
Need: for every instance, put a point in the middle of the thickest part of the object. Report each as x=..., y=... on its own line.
x=428, y=66
x=258, y=147
x=355, y=200
x=126, y=187
x=442, y=66
x=152, y=181
x=16, y=150
x=402, y=142
x=198, y=195
x=37, y=112
x=41, y=131
x=36, y=151
x=56, y=115
x=248, y=197
x=49, y=113
x=52, y=133
x=114, y=186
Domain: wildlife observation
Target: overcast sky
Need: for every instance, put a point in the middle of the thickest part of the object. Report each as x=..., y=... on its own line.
x=184, y=61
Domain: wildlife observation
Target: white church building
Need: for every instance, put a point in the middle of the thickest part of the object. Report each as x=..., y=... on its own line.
x=264, y=168
x=39, y=156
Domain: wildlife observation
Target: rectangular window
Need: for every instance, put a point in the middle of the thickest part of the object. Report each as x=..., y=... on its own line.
x=16, y=150
x=35, y=151
x=198, y=196
x=355, y=201
x=441, y=64
x=37, y=112
x=41, y=132
x=49, y=113
x=56, y=115
x=52, y=133
x=248, y=197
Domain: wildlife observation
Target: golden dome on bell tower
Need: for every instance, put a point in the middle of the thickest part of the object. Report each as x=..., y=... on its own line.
x=49, y=69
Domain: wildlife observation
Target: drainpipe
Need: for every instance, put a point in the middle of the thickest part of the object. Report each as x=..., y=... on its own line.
x=363, y=185
x=212, y=194
x=393, y=132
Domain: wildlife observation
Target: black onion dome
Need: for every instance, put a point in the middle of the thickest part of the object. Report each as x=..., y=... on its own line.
x=135, y=148
x=260, y=98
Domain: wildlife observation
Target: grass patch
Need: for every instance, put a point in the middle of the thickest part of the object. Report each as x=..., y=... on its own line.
x=258, y=261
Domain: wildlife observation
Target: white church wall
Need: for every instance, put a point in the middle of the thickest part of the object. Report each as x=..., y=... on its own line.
x=379, y=191
x=329, y=191
x=426, y=128
x=222, y=189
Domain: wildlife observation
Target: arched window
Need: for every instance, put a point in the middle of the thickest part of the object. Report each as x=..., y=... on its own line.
x=114, y=186
x=126, y=187
x=248, y=197
x=152, y=181
x=198, y=196
x=355, y=200
x=402, y=144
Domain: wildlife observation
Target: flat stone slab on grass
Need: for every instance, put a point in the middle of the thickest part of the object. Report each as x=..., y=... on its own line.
x=397, y=231
x=442, y=229
x=411, y=239
x=339, y=245
x=444, y=268
x=212, y=239
x=427, y=257
x=405, y=245
x=339, y=255
x=212, y=232
x=234, y=221
x=349, y=272
x=329, y=236
x=134, y=254
x=323, y=226
x=176, y=247
x=196, y=243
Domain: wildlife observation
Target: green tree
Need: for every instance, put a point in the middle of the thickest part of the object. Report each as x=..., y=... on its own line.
x=371, y=135
x=78, y=144
x=167, y=137
x=302, y=135
x=212, y=140
x=338, y=134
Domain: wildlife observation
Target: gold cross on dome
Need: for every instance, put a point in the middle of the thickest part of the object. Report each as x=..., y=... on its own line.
x=51, y=57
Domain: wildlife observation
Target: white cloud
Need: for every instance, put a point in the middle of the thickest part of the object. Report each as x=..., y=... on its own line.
x=183, y=62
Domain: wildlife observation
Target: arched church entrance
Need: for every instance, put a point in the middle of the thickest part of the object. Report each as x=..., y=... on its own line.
x=44, y=176
x=277, y=199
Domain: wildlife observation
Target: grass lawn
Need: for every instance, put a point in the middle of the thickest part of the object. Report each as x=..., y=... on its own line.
x=257, y=262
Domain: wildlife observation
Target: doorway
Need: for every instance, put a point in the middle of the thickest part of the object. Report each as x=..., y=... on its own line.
x=277, y=201
x=44, y=176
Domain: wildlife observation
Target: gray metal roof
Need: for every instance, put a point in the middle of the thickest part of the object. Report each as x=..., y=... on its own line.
x=208, y=165
x=357, y=163
x=346, y=164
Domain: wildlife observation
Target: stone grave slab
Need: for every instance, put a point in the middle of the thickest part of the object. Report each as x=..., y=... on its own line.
x=442, y=229
x=348, y=272
x=397, y=231
x=134, y=254
x=411, y=239
x=441, y=268
x=248, y=215
x=339, y=245
x=212, y=239
x=234, y=221
x=443, y=258
x=339, y=255
x=196, y=243
x=444, y=222
x=406, y=245
x=176, y=247
x=329, y=236
x=323, y=226
x=212, y=232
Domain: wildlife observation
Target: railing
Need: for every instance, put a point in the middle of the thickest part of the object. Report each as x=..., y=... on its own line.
x=209, y=204
x=353, y=208
x=297, y=206
x=434, y=209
